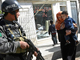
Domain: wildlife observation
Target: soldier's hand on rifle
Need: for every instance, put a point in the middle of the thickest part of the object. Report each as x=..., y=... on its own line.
x=35, y=53
x=24, y=45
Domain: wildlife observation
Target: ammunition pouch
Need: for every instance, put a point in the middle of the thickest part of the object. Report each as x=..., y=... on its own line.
x=19, y=49
x=14, y=33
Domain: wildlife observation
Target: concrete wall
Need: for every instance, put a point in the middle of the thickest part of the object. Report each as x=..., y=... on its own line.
x=55, y=9
x=26, y=19
x=78, y=8
x=69, y=8
x=3, y=0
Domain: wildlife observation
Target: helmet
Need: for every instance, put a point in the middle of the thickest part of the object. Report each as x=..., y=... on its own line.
x=10, y=6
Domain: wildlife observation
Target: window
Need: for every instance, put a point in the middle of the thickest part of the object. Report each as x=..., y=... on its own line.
x=43, y=14
x=63, y=8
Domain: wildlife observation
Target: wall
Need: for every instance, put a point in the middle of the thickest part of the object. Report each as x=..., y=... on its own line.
x=69, y=8
x=78, y=9
x=3, y=0
x=26, y=19
x=55, y=9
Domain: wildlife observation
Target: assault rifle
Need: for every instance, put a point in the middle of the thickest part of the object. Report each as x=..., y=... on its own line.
x=32, y=48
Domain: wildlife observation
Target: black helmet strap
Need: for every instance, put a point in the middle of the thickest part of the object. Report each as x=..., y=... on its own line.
x=14, y=13
x=15, y=16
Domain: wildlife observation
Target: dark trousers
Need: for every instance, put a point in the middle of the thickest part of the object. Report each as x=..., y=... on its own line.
x=68, y=51
x=73, y=34
x=54, y=38
x=14, y=57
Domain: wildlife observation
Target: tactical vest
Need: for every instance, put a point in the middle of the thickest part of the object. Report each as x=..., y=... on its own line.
x=15, y=33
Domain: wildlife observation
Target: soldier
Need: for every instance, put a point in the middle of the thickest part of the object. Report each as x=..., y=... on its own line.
x=10, y=47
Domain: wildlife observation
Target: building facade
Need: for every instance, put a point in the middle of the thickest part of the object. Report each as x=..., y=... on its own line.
x=35, y=16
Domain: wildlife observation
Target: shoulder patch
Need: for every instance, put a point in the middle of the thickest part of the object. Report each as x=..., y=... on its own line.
x=0, y=34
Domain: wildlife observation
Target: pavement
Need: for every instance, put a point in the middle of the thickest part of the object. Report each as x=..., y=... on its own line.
x=50, y=52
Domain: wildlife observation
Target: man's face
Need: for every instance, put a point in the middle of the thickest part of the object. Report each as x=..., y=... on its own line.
x=64, y=16
x=17, y=15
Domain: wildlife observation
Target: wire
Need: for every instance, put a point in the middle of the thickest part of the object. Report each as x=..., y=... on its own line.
x=39, y=9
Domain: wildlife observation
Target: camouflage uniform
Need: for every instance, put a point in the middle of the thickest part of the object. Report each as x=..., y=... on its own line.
x=8, y=48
